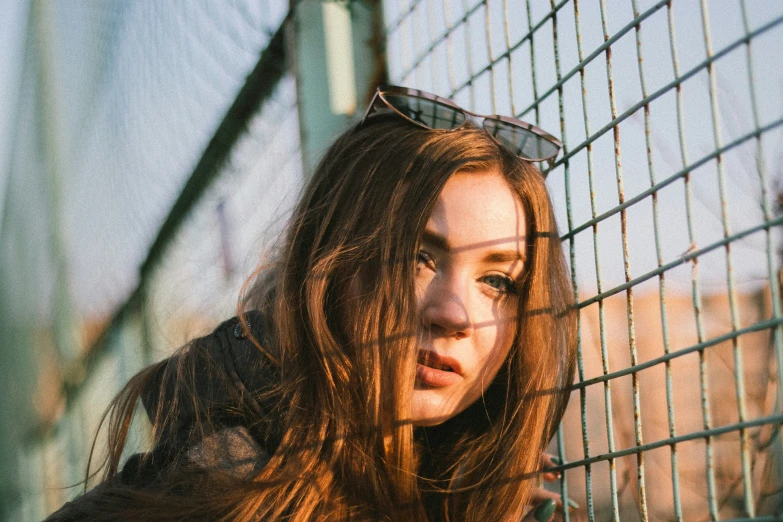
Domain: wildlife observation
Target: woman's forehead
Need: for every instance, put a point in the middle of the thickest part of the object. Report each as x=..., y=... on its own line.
x=477, y=210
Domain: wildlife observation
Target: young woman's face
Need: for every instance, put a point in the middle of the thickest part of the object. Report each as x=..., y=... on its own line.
x=471, y=256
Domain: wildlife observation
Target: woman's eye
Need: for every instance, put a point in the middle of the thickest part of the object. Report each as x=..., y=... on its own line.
x=424, y=259
x=503, y=284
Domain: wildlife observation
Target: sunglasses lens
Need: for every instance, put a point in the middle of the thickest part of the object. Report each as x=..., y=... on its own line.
x=521, y=141
x=428, y=113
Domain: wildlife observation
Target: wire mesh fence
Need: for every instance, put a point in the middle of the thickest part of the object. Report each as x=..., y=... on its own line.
x=670, y=113
x=666, y=193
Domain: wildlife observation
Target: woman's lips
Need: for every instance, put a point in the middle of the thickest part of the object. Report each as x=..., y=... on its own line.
x=433, y=377
x=437, y=370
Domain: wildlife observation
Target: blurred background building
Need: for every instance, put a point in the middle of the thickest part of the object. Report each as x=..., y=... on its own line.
x=151, y=151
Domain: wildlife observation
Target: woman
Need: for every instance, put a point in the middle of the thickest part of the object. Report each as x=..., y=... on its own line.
x=405, y=358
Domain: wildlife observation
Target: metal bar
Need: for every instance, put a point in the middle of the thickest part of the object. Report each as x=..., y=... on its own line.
x=450, y=28
x=637, y=408
x=661, y=276
x=596, y=53
x=690, y=256
x=507, y=54
x=599, y=50
x=531, y=31
x=414, y=36
x=529, y=36
x=601, y=311
x=774, y=286
x=394, y=26
x=756, y=327
x=674, y=177
x=430, y=30
x=695, y=284
x=563, y=481
x=695, y=435
x=55, y=159
x=739, y=377
x=567, y=182
x=507, y=40
x=449, y=47
x=492, y=89
x=468, y=54
x=765, y=518
x=674, y=84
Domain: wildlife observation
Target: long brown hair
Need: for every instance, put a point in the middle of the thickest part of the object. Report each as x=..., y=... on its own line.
x=340, y=309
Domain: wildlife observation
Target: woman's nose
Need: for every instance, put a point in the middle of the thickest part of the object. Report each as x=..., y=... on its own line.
x=445, y=310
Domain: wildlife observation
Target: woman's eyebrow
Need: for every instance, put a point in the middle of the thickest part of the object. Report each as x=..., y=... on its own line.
x=435, y=240
x=504, y=256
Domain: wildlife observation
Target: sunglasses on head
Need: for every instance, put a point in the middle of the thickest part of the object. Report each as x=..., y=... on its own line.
x=435, y=113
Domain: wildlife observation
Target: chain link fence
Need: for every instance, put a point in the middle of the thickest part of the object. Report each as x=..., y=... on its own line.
x=670, y=113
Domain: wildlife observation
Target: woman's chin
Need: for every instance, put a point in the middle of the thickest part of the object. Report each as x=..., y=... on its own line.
x=429, y=409
x=428, y=421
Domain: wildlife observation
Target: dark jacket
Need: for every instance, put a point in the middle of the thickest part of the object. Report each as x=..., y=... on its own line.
x=230, y=375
